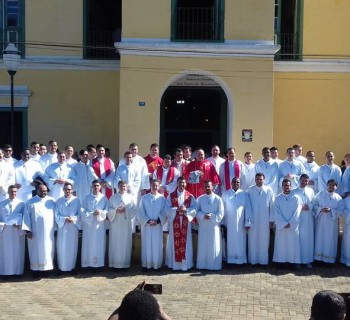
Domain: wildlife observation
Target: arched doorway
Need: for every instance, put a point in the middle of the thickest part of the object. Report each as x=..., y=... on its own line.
x=193, y=112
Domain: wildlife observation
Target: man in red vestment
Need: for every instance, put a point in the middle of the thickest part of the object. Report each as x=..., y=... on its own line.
x=152, y=159
x=179, y=162
x=199, y=171
x=104, y=170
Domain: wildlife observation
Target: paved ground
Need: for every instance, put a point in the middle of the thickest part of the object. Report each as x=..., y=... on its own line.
x=234, y=293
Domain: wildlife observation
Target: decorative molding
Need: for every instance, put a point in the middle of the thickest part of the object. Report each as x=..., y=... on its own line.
x=20, y=92
x=313, y=65
x=165, y=47
x=65, y=63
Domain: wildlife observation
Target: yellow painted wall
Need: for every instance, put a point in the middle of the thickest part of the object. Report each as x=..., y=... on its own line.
x=313, y=109
x=146, y=19
x=145, y=79
x=326, y=28
x=54, y=22
x=249, y=19
x=244, y=19
x=72, y=107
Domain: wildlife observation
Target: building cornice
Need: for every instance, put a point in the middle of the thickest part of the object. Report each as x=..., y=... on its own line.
x=166, y=48
x=21, y=94
x=65, y=63
x=326, y=65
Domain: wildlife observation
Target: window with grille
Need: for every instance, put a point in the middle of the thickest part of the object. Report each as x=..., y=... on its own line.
x=197, y=20
x=102, y=20
x=288, y=29
x=12, y=23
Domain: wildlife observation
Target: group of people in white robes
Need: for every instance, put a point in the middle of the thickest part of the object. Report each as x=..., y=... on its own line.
x=234, y=207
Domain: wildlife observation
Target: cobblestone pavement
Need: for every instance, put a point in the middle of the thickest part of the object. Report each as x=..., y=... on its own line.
x=236, y=292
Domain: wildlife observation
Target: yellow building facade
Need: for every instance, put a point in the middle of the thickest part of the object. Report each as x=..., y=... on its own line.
x=242, y=73
x=312, y=95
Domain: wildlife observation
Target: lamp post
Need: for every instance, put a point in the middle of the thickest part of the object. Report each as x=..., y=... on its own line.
x=12, y=58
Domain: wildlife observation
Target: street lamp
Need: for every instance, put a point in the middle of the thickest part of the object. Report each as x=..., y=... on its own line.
x=12, y=58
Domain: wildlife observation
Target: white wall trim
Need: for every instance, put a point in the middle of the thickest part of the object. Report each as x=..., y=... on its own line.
x=20, y=92
x=165, y=47
x=221, y=83
x=311, y=65
x=65, y=63
x=185, y=43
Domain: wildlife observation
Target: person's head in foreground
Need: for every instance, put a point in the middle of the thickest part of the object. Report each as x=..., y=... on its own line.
x=328, y=305
x=139, y=305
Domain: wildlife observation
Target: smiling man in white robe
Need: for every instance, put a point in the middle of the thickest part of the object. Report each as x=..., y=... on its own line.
x=307, y=221
x=7, y=176
x=311, y=169
x=26, y=171
x=152, y=217
x=51, y=156
x=93, y=215
x=259, y=220
x=12, y=238
x=269, y=168
x=287, y=208
x=121, y=212
x=235, y=202
x=67, y=216
x=215, y=158
x=328, y=205
x=129, y=173
x=210, y=212
x=290, y=169
x=83, y=176
x=39, y=224
x=329, y=171
x=57, y=174
x=180, y=208
x=248, y=172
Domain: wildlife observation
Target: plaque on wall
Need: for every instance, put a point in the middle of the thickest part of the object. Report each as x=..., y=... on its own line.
x=247, y=135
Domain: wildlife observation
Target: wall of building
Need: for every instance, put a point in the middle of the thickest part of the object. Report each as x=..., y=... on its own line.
x=144, y=79
x=146, y=19
x=326, y=28
x=54, y=22
x=249, y=20
x=73, y=107
x=244, y=19
x=312, y=109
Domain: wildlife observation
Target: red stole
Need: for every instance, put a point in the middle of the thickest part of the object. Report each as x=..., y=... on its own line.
x=227, y=173
x=107, y=164
x=183, y=165
x=169, y=178
x=180, y=230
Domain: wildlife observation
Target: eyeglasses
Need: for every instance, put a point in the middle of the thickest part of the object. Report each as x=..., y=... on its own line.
x=8, y=150
x=68, y=189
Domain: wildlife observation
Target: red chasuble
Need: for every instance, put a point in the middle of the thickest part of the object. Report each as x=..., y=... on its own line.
x=153, y=163
x=169, y=178
x=180, y=230
x=107, y=164
x=207, y=171
x=227, y=173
